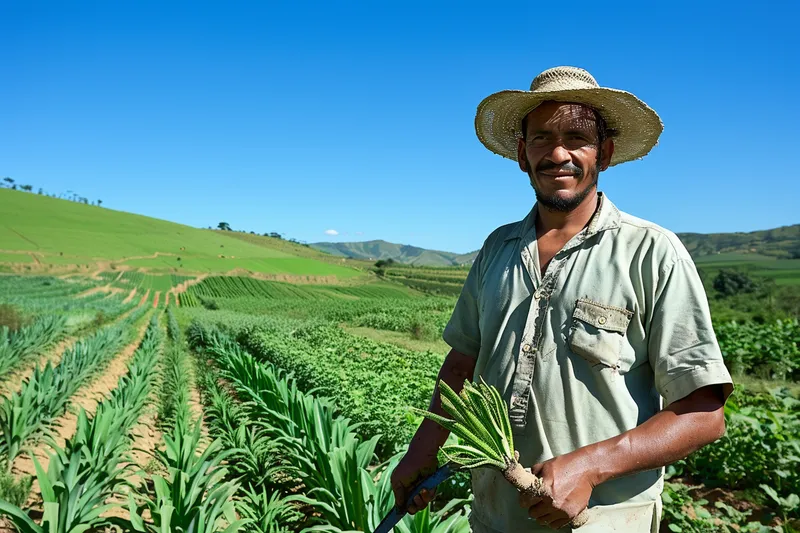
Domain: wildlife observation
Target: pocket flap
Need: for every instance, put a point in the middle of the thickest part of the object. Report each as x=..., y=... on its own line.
x=602, y=316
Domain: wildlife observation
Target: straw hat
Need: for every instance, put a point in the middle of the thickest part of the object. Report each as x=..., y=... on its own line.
x=636, y=127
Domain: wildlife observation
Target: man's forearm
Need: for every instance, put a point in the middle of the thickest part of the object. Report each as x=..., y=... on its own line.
x=430, y=436
x=680, y=429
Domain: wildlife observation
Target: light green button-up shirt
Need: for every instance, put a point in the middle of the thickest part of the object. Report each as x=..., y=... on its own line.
x=618, y=324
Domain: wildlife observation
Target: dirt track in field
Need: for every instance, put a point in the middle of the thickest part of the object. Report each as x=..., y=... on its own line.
x=130, y=296
x=12, y=382
x=102, y=288
x=87, y=398
x=144, y=298
x=155, y=299
x=145, y=438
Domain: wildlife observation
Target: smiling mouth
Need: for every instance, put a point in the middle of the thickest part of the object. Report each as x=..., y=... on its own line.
x=556, y=176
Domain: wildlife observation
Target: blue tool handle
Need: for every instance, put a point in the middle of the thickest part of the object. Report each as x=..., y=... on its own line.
x=430, y=482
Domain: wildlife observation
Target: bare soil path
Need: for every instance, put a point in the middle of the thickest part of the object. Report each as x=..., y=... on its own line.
x=144, y=298
x=103, y=288
x=12, y=382
x=155, y=299
x=145, y=439
x=130, y=296
x=88, y=397
x=181, y=287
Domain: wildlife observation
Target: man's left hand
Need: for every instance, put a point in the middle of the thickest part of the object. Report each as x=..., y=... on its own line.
x=569, y=479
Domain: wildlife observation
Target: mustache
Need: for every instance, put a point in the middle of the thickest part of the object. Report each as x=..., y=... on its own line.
x=565, y=167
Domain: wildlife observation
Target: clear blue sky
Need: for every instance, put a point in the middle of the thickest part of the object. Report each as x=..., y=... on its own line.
x=358, y=116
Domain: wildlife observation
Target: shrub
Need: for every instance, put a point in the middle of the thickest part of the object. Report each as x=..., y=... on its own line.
x=11, y=317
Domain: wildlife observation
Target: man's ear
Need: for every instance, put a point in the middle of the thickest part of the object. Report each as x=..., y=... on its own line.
x=608, y=153
x=522, y=158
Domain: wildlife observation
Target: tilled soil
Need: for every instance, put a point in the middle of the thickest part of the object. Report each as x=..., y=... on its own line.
x=12, y=382
x=88, y=397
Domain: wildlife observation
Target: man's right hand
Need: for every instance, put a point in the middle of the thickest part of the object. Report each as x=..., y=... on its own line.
x=412, y=469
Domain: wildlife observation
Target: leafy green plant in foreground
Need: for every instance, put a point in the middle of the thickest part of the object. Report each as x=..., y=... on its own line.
x=193, y=496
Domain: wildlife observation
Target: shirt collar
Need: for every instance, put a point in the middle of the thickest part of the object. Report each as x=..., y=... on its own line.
x=606, y=217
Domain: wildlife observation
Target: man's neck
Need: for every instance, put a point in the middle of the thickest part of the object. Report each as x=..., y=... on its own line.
x=566, y=223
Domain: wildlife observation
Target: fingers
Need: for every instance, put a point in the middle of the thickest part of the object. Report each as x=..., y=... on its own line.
x=526, y=500
x=541, y=510
x=421, y=501
x=548, y=517
x=558, y=524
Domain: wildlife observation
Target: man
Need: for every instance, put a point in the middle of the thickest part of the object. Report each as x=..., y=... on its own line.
x=592, y=324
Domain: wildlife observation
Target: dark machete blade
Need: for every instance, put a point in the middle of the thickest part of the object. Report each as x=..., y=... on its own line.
x=430, y=482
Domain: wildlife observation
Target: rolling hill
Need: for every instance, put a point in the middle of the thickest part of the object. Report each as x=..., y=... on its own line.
x=43, y=234
x=402, y=253
x=781, y=243
x=778, y=243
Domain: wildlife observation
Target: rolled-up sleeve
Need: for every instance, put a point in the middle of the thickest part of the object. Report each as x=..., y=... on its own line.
x=683, y=349
x=462, y=332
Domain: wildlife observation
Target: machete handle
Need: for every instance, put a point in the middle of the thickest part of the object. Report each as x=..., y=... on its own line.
x=430, y=482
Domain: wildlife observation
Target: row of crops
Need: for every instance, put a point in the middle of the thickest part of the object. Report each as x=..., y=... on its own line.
x=26, y=416
x=361, y=374
x=36, y=313
x=153, y=282
x=90, y=468
x=238, y=286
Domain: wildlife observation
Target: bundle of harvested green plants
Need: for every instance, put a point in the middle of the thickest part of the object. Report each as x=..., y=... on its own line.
x=480, y=421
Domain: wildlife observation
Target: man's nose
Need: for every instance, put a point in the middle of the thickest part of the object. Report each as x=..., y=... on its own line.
x=559, y=155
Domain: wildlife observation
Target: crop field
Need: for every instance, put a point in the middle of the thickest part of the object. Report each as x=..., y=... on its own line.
x=253, y=406
x=783, y=271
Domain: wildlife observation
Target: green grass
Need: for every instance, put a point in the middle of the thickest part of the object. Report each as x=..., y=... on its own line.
x=732, y=257
x=783, y=271
x=399, y=338
x=293, y=266
x=15, y=258
x=68, y=233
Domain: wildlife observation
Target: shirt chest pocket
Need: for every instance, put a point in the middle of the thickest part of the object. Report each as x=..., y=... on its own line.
x=597, y=332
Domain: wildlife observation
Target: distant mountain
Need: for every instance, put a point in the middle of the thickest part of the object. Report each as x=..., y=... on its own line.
x=402, y=253
x=781, y=243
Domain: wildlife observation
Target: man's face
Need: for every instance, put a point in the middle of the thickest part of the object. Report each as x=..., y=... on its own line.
x=559, y=154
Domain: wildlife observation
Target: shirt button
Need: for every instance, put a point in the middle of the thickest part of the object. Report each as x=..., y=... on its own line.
x=526, y=348
x=601, y=320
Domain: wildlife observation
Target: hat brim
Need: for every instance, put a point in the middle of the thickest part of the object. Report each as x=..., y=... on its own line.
x=499, y=117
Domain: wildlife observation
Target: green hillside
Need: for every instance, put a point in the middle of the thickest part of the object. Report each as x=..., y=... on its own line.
x=781, y=243
x=402, y=253
x=39, y=233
